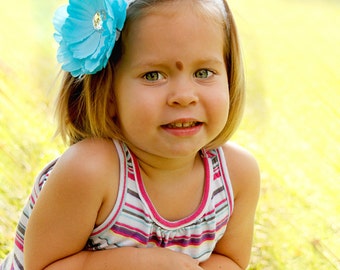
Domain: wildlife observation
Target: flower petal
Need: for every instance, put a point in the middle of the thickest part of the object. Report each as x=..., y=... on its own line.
x=76, y=30
x=84, y=48
x=59, y=20
x=87, y=47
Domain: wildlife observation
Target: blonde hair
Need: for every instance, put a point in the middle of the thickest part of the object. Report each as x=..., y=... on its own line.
x=84, y=104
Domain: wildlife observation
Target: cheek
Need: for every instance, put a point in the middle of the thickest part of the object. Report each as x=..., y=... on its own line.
x=134, y=111
x=220, y=101
x=219, y=108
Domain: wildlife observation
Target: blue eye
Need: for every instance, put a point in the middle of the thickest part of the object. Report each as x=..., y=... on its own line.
x=203, y=74
x=153, y=76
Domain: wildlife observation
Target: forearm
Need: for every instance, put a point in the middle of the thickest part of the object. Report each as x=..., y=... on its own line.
x=119, y=258
x=126, y=259
x=217, y=261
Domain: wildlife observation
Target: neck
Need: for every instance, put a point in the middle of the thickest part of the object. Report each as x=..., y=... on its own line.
x=180, y=181
x=159, y=168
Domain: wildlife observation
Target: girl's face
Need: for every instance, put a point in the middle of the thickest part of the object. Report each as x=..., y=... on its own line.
x=171, y=84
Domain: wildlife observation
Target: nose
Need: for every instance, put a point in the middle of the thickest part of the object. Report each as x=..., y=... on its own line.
x=182, y=94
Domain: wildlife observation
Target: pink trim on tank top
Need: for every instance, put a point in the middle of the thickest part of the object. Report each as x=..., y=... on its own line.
x=173, y=224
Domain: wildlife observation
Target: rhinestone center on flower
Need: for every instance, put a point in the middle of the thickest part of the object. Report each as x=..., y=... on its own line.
x=98, y=20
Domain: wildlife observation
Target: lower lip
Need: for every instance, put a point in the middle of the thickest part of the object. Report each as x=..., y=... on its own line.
x=183, y=132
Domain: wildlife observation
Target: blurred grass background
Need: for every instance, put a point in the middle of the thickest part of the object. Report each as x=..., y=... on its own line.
x=291, y=124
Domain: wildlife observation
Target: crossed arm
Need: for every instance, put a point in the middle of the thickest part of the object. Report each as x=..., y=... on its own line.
x=55, y=239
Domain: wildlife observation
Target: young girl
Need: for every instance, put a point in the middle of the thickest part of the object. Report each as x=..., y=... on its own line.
x=153, y=91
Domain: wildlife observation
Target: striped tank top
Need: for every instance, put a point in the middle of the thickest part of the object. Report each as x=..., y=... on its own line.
x=134, y=221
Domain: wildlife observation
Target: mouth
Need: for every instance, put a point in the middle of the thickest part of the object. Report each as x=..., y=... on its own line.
x=178, y=125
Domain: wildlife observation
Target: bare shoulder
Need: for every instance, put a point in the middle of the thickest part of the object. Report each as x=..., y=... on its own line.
x=91, y=150
x=90, y=157
x=243, y=168
x=91, y=167
x=245, y=178
x=80, y=192
x=91, y=161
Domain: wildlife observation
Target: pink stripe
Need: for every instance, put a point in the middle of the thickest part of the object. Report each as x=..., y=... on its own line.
x=194, y=235
x=230, y=201
x=138, y=209
x=217, y=175
x=221, y=202
x=32, y=199
x=131, y=176
x=19, y=243
x=109, y=223
x=128, y=235
x=209, y=213
x=221, y=223
x=132, y=228
x=173, y=224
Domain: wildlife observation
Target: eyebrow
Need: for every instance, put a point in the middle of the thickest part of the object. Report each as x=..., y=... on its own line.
x=159, y=63
x=211, y=61
x=147, y=64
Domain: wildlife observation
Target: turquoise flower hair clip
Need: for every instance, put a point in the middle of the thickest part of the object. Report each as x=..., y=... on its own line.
x=87, y=31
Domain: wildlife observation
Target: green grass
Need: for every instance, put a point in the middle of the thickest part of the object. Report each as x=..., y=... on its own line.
x=292, y=126
x=27, y=79
x=291, y=123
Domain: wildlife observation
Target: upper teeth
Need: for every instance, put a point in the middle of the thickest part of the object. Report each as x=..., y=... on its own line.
x=183, y=125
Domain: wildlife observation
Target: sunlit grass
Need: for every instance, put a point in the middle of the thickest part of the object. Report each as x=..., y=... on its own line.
x=27, y=77
x=292, y=126
x=291, y=123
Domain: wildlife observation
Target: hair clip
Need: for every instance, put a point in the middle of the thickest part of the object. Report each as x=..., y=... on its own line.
x=87, y=31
